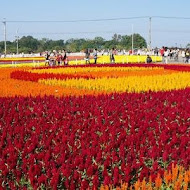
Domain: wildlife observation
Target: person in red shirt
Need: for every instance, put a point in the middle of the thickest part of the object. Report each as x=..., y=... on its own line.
x=162, y=51
x=59, y=58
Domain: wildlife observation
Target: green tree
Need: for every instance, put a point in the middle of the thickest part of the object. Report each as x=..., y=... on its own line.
x=117, y=38
x=30, y=43
x=2, y=47
x=139, y=41
x=126, y=42
x=98, y=42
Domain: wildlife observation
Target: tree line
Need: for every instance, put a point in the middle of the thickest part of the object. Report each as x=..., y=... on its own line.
x=28, y=44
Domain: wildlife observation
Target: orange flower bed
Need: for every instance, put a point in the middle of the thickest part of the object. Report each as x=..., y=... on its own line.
x=11, y=87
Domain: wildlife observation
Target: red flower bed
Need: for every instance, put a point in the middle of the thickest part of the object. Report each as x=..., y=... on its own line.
x=70, y=143
x=28, y=76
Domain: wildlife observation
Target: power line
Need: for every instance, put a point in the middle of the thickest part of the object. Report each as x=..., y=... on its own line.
x=90, y=20
x=85, y=20
x=166, y=17
x=94, y=20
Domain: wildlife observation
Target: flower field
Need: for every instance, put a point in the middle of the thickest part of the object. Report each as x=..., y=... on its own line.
x=113, y=126
x=75, y=60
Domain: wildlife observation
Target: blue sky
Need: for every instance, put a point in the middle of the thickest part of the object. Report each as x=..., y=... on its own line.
x=167, y=32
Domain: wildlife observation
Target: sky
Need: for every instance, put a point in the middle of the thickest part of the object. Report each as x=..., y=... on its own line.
x=164, y=31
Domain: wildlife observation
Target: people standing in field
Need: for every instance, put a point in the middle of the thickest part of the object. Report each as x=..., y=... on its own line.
x=64, y=57
x=52, y=57
x=112, y=55
x=176, y=54
x=166, y=54
x=58, y=58
x=183, y=55
x=156, y=51
x=148, y=59
x=95, y=55
x=187, y=55
x=162, y=52
x=87, y=56
x=47, y=56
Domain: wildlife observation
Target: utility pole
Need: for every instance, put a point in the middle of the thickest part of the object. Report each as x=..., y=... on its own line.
x=150, y=34
x=17, y=38
x=5, y=36
x=132, y=41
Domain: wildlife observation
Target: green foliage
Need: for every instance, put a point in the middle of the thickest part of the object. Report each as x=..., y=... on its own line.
x=29, y=44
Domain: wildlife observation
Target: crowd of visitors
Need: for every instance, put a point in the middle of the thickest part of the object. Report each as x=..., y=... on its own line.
x=91, y=55
x=173, y=54
x=56, y=58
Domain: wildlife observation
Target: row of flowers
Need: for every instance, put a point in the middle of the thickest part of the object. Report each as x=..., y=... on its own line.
x=25, y=86
x=95, y=79
x=98, y=71
x=104, y=68
x=20, y=59
x=74, y=60
x=69, y=143
x=176, y=178
x=11, y=87
x=127, y=84
x=129, y=59
x=178, y=67
x=87, y=73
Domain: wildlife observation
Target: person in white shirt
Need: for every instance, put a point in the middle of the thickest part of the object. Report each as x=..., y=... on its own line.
x=183, y=55
x=166, y=54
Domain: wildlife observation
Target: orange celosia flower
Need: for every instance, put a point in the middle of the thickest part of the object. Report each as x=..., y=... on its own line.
x=143, y=185
x=174, y=173
x=158, y=181
x=181, y=181
x=137, y=185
